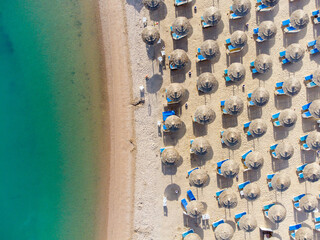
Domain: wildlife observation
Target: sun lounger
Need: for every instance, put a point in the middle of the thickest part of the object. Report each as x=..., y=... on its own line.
x=263, y=8
x=218, y=193
x=266, y=208
x=297, y=198
x=184, y=203
x=306, y=106
x=244, y=156
x=228, y=41
x=316, y=20
x=204, y=24
x=315, y=13
x=238, y=216
x=299, y=171
x=241, y=186
x=232, y=49
x=306, y=114
x=313, y=51
x=233, y=15
x=246, y=126
x=223, y=110
x=250, y=103
x=166, y=114
x=255, y=32
x=317, y=227
x=269, y=178
x=192, y=170
x=312, y=43
x=311, y=84
x=226, y=77
x=219, y=166
x=187, y=233
x=217, y=223
x=200, y=58
x=252, y=68
x=316, y=219
x=180, y=2
x=190, y=195
x=176, y=36
x=293, y=229
x=272, y=150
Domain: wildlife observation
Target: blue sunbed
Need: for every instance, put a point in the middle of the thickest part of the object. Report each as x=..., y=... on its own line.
x=244, y=156
x=300, y=168
x=317, y=219
x=297, y=198
x=303, y=138
x=282, y=53
x=228, y=41
x=309, y=77
x=286, y=22
x=279, y=84
x=255, y=30
x=217, y=223
x=190, y=195
x=222, y=103
x=187, y=233
x=315, y=13
x=294, y=227
x=201, y=58
x=246, y=125
x=311, y=84
x=166, y=114
x=284, y=61
x=317, y=226
x=275, y=116
x=280, y=91
x=192, y=170
x=313, y=51
x=312, y=43
x=273, y=147
x=270, y=176
x=220, y=163
x=306, y=114
x=267, y=207
x=242, y=185
x=306, y=106
x=184, y=203
x=219, y=192
x=239, y=215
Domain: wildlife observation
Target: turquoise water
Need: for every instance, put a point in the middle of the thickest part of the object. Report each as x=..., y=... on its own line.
x=49, y=119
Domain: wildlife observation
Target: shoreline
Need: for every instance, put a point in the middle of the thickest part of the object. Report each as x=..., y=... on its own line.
x=116, y=188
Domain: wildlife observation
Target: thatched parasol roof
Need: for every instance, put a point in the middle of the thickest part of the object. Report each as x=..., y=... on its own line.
x=270, y=3
x=254, y=160
x=224, y=231
x=173, y=123
x=263, y=63
x=277, y=213
x=258, y=127
x=198, y=177
x=284, y=150
x=251, y=191
x=313, y=140
x=230, y=169
x=212, y=16
x=236, y=72
x=175, y=92
x=234, y=105
x=179, y=57
x=150, y=35
x=207, y=82
x=209, y=49
x=181, y=26
x=299, y=19
x=308, y=203
x=291, y=86
x=260, y=96
x=248, y=223
x=294, y=52
x=228, y=199
x=304, y=233
x=281, y=181
x=318, y=42
x=315, y=108
x=195, y=208
x=311, y=172
x=316, y=75
x=267, y=30
x=204, y=115
x=238, y=39
x=152, y=4
x=231, y=137
x=200, y=146
x=287, y=118
x=170, y=156
x=192, y=236
x=241, y=7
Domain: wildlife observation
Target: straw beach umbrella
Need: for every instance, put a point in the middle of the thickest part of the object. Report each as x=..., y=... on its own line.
x=179, y=58
x=281, y=182
x=173, y=123
x=198, y=177
x=247, y=223
x=284, y=150
x=209, y=49
x=316, y=75
x=151, y=4
x=294, y=53
x=175, y=92
x=212, y=16
x=258, y=127
x=238, y=39
x=260, y=96
x=195, y=209
x=270, y=3
x=181, y=26
x=231, y=137
x=277, y=213
x=308, y=203
x=318, y=42
x=224, y=231
x=204, y=115
x=170, y=156
x=254, y=160
x=291, y=86
x=311, y=172
x=241, y=7
x=267, y=30
x=263, y=63
x=150, y=35
x=315, y=108
x=287, y=118
x=192, y=236
x=304, y=233
x=236, y=72
x=299, y=19
x=251, y=191
x=230, y=169
x=313, y=141
x=228, y=199
x=200, y=146
x=207, y=82
x=234, y=105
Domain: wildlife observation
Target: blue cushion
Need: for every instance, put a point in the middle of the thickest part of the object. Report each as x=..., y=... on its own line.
x=286, y=22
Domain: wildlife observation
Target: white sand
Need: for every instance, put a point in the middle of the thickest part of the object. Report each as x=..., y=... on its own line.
x=151, y=182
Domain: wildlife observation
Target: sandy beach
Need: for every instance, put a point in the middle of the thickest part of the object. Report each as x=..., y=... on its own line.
x=146, y=219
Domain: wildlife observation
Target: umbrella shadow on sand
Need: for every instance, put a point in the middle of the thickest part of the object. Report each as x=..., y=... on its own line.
x=172, y=192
